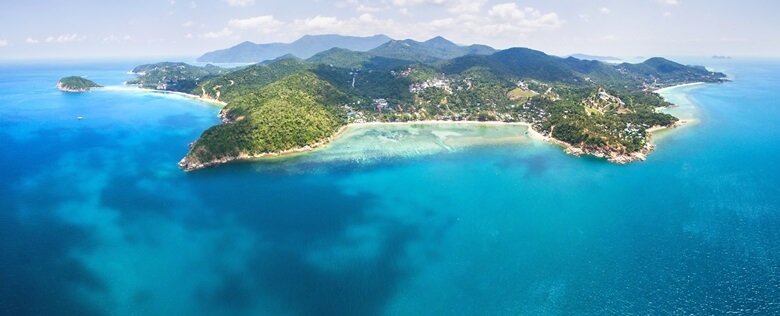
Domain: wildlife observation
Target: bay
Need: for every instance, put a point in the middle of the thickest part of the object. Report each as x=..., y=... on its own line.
x=96, y=218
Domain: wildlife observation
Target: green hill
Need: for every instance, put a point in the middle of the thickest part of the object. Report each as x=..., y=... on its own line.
x=340, y=57
x=433, y=50
x=228, y=86
x=658, y=72
x=288, y=104
x=298, y=111
x=170, y=76
x=76, y=84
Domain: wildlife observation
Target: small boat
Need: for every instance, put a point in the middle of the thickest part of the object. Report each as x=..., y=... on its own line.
x=80, y=118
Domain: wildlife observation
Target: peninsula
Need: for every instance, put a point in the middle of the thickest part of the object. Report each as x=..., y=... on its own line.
x=76, y=84
x=289, y=104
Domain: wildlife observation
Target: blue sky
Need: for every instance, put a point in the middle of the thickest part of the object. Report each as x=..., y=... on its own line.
x=80, y=28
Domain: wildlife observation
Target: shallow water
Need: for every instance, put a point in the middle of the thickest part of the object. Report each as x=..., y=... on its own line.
x=97, y=218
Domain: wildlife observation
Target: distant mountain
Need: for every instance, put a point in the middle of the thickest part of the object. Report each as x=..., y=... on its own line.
x=344, y=58
x=432, y=50
x=596, y=58
x=340, y=57
x=305, y=47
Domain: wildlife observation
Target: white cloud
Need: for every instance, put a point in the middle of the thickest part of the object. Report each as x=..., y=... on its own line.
x=67, y=38
x=188, y=36
x=453, y=6
x=188, y=24
x=364, y=25
x=31, y=40
x=609, y=38
x=224, y=33
x=584, y=17
x=442, y=23
x=467, y=6
x=319, y=23
x=361, y=6
x=667, y=14
x=265, y=23
x=474, y=23
x=523, y=19
x=193, y=5
x=3, y=43
x=404, y=3
x=114, y=38
x=605, y=10
x=240, y=3
x=671, y=2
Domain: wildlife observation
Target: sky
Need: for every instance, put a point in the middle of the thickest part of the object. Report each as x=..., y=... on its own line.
x=56, y=29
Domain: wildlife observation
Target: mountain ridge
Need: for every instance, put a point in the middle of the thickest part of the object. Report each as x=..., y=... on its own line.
x=304, y=47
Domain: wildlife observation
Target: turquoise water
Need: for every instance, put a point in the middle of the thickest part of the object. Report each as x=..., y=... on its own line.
x=96, y=218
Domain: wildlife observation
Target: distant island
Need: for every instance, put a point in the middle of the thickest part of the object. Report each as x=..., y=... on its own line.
x=76, y=84
x=289, y=104
x=593, y=57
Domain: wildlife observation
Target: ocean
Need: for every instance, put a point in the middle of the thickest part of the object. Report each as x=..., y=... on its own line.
x=438, y=219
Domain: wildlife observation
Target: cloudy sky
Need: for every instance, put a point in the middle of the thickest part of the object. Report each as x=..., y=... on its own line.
x=34, y=29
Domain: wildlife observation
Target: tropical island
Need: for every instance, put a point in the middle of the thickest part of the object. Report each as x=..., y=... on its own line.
x=76, y=84
x=289, y=104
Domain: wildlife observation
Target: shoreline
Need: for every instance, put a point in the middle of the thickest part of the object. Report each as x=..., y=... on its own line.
x=611, y=156
x=125, y=86
x=683, y=121
x=667, y=89
x=188, y=166
x=64, y=88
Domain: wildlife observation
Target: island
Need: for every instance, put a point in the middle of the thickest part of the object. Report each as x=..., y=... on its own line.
x=76, y=84
x=290, y=105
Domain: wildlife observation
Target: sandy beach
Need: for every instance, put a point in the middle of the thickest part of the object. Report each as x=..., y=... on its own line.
x=667, y=89
x=135, y=88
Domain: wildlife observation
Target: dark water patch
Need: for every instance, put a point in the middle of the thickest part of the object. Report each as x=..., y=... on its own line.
x=301, y=220
x=358, y=287
x=38, y=275
x=125, y=193
x=285, y=209
x=44, y=147
x=536, y=165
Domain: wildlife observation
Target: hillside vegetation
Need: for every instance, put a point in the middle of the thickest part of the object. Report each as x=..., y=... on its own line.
x=76, y=84
x=285, y=104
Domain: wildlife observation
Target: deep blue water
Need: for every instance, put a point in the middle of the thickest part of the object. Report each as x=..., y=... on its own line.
x=96, y=218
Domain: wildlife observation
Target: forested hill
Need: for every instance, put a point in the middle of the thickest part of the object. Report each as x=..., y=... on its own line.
x=591, y=106
x=432, y=50
x=295, y=112
x=76, y=84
